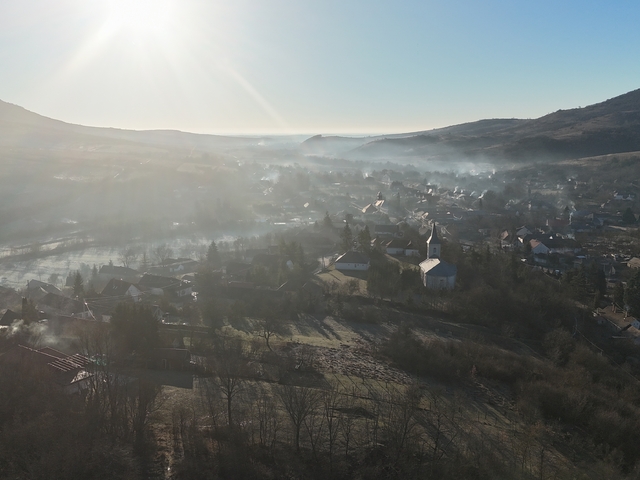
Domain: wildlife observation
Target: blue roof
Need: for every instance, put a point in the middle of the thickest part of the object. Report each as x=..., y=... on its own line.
x=434, y=267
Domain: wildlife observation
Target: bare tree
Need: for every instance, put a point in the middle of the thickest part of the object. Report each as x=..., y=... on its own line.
x=161, y=254
x=314, y=425
x=141, y=404
x=144, y=262
x=107, y=395
x=230, y=365
x=270, y=326
x=210, y=397
x=298, y=402
x=347, y=421
x=127, y=256
x=267, y=416
x=400, y=418
x=330, y=405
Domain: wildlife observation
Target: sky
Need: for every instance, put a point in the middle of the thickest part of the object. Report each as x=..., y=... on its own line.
x=302, y=66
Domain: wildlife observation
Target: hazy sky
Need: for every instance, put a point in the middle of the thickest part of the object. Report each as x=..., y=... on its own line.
x=325, y=66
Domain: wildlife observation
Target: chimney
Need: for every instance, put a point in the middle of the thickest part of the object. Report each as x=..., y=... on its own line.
x=24, y=308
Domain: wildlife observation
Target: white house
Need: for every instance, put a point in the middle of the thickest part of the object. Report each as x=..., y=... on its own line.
x=545, y=244
x=352, y=261
x=411, y=250
x=396, y=246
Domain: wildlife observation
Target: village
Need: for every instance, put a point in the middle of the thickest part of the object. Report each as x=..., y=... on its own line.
x=326, y=230
x=342, y=281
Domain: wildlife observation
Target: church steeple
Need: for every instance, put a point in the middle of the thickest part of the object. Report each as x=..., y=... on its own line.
x=433, y=244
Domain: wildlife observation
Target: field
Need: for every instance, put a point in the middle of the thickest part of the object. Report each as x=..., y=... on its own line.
x=473, y=417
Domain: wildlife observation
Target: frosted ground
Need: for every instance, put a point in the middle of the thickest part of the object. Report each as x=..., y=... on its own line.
x=16, y=274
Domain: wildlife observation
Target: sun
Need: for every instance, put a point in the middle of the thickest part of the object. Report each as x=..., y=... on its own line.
x=142, y=18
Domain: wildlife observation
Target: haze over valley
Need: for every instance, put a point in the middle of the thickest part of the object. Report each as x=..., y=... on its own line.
x=345, y=240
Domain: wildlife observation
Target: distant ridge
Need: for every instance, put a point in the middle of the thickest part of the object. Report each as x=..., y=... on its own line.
x=21, y=128
x=612, y=126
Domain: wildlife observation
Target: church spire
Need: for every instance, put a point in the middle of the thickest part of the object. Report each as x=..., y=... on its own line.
x=434, y=243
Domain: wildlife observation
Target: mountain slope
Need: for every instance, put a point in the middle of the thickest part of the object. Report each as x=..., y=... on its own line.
x=612, y=126
x=22, y=128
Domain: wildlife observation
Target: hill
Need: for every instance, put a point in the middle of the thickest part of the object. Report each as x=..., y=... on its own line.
x=21, y=129
x=612, y=126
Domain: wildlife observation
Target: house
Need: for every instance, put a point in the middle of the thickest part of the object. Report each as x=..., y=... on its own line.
x=37, y=289
x=524, y=231
x=436, y=273
x=122, y=289
x=174, y=266
x=508, y=241
x=581, y=216
x=550, y=243
x=378, y=243
x=107, y=272
x=626, y=196
x=9, y=317
x=68, y=372
x=387, y=231
x=53, y=304
x=183, y=265
x=559, y=225
x=237, y=270
x=369, y=209
x=398, y=246
x=159, y=285
x=411, y=250
x=395, y=246
x=352, y=261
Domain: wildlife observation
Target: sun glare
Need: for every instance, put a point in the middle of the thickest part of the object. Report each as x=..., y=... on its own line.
x=141, y=17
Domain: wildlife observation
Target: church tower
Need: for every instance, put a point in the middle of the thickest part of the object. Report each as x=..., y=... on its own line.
x=434, y=243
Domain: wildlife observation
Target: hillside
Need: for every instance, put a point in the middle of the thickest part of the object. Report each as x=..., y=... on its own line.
x=612, y=126
x=22, y=129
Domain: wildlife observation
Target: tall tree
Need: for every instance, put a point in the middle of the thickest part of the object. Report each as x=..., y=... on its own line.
x=229, y=365
x=269, y=326
x=632, y=294
x=327, y=222
x=364, y=240
x=383, y=279
x=618, y=294
x=346, y=238
x=134, y=328
x=78, y=284
x=628, y=216
x=299, y=403
x=213, y=257
x=144, y=262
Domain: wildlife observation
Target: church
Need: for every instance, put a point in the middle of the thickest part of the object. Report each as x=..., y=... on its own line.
x=437, y=274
